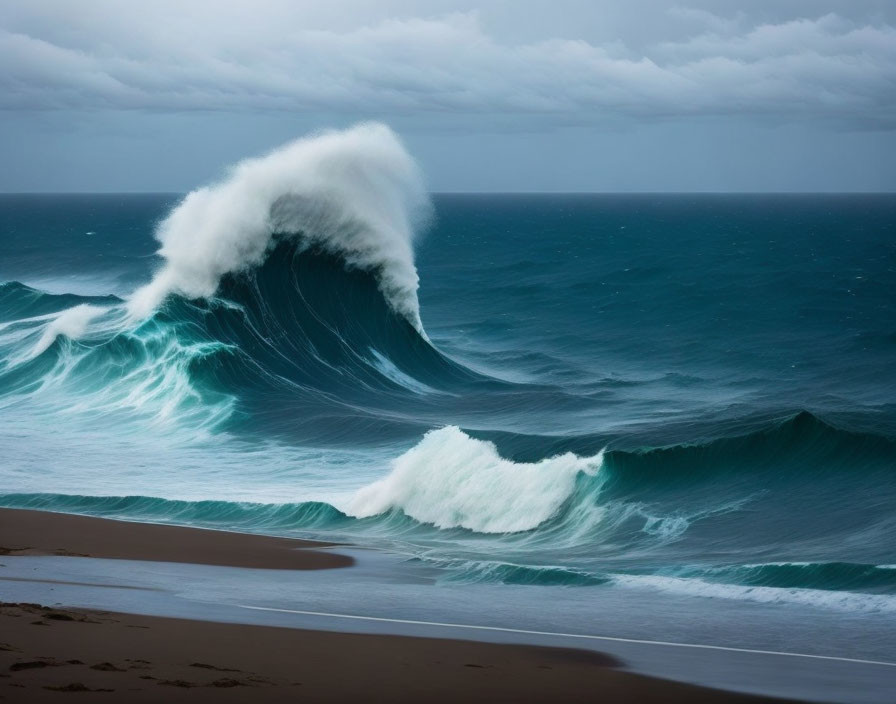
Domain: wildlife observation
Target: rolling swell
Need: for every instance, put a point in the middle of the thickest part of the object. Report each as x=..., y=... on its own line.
x=243, y=516
x=19, y=301
x=622, y=513
x=820, y=445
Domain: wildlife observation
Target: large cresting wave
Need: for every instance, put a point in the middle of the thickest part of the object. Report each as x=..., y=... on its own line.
x=356, y=194
x=285, y=297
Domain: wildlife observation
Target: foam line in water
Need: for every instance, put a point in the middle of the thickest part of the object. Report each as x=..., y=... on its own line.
x=354, y=193
x=821, y=598
x=454, y=481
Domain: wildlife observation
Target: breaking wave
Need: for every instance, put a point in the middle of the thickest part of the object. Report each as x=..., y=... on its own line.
x=285, y=308
x=356, y=194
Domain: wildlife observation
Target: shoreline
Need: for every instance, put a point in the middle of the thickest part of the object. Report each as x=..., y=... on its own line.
x=46, y=652
x=35, y=532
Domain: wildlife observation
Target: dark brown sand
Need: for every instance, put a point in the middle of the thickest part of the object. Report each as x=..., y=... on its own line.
x=42, y=533
x=60, y=655
x=56, y=655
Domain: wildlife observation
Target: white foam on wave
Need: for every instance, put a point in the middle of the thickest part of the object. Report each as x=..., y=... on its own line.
x=71, y=323
x=141, y=375
x=354, y=193
x=823, y=598
x=454, y=481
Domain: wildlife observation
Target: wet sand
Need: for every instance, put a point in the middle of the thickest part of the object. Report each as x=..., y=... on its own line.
x=51, y=654
x=61, y=654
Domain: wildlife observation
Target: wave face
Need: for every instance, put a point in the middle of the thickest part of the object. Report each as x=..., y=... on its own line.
x=586, y=408
x=285, y=300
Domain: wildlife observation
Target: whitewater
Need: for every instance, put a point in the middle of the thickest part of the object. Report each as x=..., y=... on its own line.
x=356, y=194
x=684, y=395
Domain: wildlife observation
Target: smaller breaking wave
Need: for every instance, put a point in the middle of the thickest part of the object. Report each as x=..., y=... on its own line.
x=451, y=480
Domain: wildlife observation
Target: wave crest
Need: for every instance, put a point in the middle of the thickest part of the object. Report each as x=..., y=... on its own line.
x=355, y=193
x=454, y=481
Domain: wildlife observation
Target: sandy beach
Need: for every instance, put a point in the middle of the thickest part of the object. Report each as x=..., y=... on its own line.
x=25, y=532
x=54, y=653
x=49, y=654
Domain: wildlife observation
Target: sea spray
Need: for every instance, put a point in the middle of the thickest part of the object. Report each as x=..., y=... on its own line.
x=277, y=240
x=356, y=194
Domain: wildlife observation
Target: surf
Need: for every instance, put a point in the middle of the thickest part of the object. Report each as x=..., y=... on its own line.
x=270, y=372
x=356, y=194
x=290, y=280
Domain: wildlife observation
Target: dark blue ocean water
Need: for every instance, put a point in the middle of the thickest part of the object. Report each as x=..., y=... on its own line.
x=689, y=393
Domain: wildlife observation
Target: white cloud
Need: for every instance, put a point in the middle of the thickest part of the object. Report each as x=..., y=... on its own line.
x=283, y=56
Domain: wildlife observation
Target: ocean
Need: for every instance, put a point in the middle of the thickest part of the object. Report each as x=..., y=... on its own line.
x=693, y=395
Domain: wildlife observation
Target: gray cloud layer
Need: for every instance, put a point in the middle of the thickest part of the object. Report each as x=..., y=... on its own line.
x=294, y=56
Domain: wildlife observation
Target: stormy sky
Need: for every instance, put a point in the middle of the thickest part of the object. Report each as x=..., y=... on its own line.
x=619, y=95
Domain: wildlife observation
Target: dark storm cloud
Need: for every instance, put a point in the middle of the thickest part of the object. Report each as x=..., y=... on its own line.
x=569, y=62
x=559, y=95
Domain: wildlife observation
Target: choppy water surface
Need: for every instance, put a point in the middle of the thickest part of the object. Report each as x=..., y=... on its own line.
x=689, y=394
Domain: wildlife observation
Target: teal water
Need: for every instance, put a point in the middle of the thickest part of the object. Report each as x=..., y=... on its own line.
x=694, y=393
